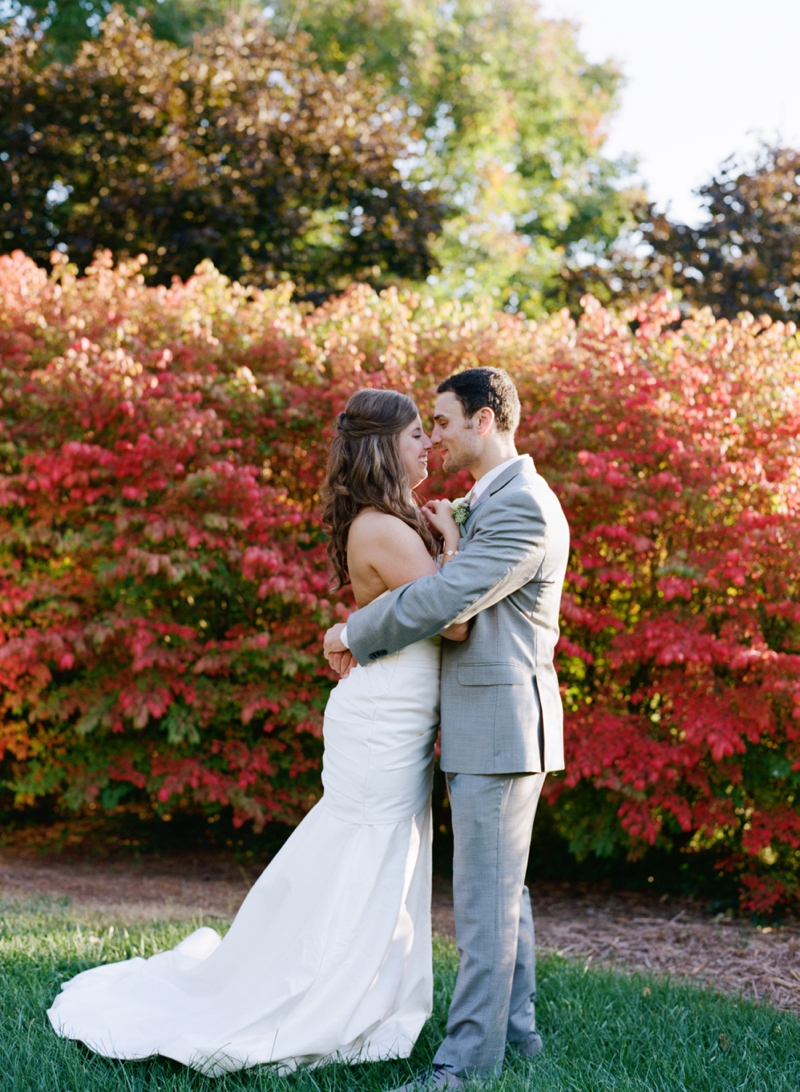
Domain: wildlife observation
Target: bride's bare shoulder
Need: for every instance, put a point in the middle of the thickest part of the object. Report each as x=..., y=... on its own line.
x=370, y=524
x=384, y=552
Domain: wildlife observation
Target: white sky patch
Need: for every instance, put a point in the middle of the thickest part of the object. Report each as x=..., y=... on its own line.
x=705, y=79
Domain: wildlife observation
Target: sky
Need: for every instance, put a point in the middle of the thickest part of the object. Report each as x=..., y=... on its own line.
x=705, y=79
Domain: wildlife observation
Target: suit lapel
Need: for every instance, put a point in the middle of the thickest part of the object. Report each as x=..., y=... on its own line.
x=524, y=462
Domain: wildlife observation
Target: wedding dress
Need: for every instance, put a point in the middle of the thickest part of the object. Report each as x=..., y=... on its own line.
x=329, y=957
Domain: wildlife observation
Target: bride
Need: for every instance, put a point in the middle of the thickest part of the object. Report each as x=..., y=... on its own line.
x=329, y=957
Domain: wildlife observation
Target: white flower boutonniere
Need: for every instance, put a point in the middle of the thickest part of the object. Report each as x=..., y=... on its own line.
x=460, y=510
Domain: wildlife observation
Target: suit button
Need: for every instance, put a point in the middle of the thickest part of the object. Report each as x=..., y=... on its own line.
x=377, y=655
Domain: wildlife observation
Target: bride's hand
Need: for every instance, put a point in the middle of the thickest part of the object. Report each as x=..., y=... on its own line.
x=439, y=516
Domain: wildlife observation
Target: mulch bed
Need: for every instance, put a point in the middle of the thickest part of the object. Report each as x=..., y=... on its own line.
x=628, y=932
x=600, y=928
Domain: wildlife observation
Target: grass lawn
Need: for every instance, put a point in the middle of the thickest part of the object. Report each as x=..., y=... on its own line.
x=602, y=1030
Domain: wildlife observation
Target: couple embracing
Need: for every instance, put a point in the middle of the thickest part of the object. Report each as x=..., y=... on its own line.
x=329, y=957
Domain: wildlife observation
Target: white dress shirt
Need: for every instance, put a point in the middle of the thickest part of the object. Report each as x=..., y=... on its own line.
x=477, y=491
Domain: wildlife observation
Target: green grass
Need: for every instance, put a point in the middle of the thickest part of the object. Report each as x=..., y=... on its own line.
x=602, y=1030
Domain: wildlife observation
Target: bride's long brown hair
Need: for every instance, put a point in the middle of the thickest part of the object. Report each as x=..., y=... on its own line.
x=365, y=471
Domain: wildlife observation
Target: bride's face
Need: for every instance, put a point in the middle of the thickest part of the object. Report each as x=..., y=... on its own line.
x=414, y=446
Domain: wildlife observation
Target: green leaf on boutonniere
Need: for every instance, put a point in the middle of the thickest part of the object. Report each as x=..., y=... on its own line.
x=460, y=510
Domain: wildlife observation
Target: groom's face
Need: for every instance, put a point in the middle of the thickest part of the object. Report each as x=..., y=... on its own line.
x=454, y=434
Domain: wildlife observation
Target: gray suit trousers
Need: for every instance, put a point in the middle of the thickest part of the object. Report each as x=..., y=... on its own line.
x=493, y=1001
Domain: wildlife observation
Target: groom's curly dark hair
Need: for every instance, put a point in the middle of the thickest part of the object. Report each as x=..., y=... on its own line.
x=492, y=387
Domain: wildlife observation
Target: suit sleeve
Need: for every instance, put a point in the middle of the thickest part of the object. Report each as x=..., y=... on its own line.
x=504, y=553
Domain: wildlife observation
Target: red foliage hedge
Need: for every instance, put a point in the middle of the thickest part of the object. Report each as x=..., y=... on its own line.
x=162, y=575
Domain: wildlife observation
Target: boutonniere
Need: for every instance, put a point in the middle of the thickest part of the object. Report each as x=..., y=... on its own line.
x=460, y=510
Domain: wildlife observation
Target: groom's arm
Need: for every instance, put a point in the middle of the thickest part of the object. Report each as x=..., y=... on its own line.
x=504, y=553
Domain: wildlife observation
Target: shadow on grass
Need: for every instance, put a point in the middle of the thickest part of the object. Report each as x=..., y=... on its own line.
x=602, y=1030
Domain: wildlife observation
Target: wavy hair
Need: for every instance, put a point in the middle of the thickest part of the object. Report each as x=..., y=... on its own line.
x=365, y=471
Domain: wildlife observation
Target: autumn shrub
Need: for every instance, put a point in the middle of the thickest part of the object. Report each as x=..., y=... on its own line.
x=675, y=451
x=164, y=584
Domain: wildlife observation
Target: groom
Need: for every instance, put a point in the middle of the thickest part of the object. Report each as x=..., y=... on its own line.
x=501, y=714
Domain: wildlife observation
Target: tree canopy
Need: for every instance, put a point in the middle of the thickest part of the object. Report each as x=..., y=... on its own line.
x=511, y=121
x=65, y=24
x=746, y=255
x=508, y=120
x=240, y=149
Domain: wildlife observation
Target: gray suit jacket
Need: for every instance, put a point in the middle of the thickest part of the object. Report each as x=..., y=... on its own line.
x=501, y=707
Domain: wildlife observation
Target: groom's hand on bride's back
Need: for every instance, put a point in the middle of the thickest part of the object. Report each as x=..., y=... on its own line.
x=342, y=663
x=333, y=640
x=338, y=654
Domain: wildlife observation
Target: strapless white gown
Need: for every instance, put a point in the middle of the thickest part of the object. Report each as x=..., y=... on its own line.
x=329, y=957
